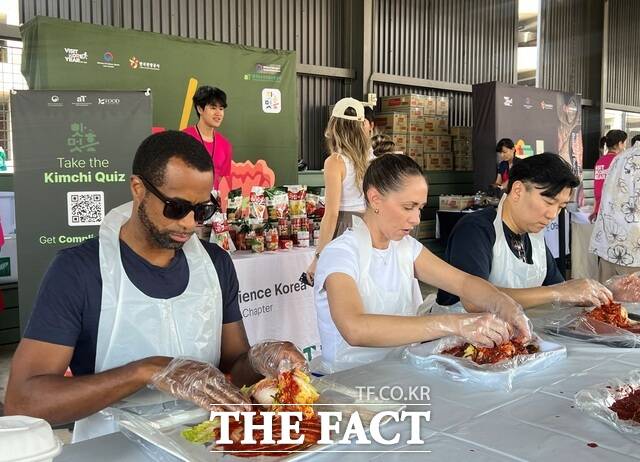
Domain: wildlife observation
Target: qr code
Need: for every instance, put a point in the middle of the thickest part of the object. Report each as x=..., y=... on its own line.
x=85, y=208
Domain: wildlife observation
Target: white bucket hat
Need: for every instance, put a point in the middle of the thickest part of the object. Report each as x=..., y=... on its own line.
x=345, y=103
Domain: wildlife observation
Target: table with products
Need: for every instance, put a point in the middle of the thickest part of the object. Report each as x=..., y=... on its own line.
x=274, y=304
x=537, y=420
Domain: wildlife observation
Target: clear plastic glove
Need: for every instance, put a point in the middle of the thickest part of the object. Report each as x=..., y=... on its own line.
x=272, y=357
x=581, y=292
x=511, y=311
x=625, y=288
x=482, y=329
x=202, y=384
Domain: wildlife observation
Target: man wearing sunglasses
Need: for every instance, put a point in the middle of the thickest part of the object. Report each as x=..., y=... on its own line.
x=144, y=304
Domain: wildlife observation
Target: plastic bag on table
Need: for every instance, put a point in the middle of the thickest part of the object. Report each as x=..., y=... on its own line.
x=597, y=400
x=498, y=376
x=575, y=324
x=157, y=442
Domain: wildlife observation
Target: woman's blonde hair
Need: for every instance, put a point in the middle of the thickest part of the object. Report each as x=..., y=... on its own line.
x=348, y=137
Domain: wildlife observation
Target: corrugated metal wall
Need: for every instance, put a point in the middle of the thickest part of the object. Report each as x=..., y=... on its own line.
x=623, y=69
x=570, y=46
x=465, y=41
x=314, y=28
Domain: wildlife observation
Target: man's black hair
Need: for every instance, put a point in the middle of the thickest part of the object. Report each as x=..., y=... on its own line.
x=547, y=171
x=205, y=95
x=505, y=143
x=614, y=137
x=368, y=114
x=635, y=139
x=156, y=150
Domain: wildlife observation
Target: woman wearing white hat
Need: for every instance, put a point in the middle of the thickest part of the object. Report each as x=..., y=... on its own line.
x=350, y=153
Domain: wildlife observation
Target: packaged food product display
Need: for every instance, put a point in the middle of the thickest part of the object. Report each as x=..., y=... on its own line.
x=277, y=203
x=270, y=219
x=234, y=205
x=297, y=201
x=257, y=203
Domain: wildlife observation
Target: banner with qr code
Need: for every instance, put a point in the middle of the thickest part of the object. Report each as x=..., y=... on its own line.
x=73, y=153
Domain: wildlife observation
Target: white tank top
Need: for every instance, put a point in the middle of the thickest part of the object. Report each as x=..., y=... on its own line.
x=351, y=199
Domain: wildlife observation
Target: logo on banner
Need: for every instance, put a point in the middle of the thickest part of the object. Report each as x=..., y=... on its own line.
x=508, y=101
x=136, y=63
x=108, y=61
x=81, y=101
x=546, y=106
x=73, y=55
x=268, y=68
x=82, y=138
x=527, y=103
x=55, y=101
x=271, y=100
x=108, y=100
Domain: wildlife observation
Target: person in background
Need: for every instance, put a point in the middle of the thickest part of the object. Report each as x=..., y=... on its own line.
x=614, y=141
x=507, y=247
x=364, y=294
x=634, y=140
x=616, y=234
x=507, y=150
x=210, y=104
x=349, y=144
x=382, y=144
x=369, y=120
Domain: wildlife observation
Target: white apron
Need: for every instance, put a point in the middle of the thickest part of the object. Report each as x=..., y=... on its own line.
x=133, y=325
x=403, y=301
x=507, y=270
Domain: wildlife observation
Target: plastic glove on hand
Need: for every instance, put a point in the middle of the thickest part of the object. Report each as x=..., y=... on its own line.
x=202, y=384
x=625, y=288
x=270, y=358
x=511, y=312
x=482, y=329
x=581, y=292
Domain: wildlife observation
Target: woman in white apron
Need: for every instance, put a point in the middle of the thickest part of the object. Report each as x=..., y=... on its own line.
x=364, y=291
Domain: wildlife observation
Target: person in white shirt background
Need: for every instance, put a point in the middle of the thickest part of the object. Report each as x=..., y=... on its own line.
x=616, y=234
x=364, y=284
x=349, y=143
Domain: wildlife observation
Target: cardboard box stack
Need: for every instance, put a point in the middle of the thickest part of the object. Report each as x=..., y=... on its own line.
x=419, y=126
x=462, y=154
x=437, y=142
x=402, y=119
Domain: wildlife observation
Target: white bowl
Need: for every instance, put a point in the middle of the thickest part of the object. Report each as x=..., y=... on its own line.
x=27, y=439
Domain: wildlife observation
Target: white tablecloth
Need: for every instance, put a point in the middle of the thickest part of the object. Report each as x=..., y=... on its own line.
x=536, y=421
x=273, y=303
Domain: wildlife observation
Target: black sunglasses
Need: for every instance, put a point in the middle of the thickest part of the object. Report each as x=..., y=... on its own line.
x=176, y=209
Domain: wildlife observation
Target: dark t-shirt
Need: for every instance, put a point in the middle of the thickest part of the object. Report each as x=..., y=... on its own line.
x=67, y=308
x=470, y=248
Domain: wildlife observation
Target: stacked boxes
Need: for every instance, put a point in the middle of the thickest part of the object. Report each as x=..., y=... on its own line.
x=402, y=119
x=437, y=142
x=419, y=126
x=462, y=154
